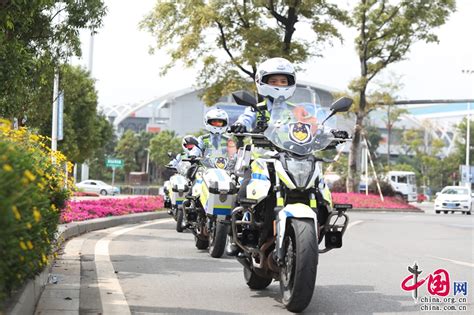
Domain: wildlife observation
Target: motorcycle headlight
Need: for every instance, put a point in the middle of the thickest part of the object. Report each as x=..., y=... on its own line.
x=300, y=171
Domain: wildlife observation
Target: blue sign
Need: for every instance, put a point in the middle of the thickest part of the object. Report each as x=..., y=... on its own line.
x=60, y=115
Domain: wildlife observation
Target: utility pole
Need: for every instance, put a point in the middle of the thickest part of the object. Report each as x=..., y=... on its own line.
x=468, y=133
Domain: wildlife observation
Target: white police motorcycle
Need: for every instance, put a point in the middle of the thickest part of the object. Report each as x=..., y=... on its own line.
x=287, y=209
x=212, y=200
x=176, y=190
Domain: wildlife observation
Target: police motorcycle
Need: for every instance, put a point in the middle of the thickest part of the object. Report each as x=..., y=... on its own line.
x=211, y=202
x=220, y=193
x=176, y=190
x=287, y=209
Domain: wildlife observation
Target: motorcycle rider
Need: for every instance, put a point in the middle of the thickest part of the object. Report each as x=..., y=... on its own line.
x=191, y=148
x=276, y=81
x=216, y=122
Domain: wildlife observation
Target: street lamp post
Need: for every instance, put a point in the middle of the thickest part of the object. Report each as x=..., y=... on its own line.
x=147, y=159
x=468, y=134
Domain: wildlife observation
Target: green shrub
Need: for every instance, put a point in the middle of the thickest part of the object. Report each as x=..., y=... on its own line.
x=385, y=187
x=32, y=194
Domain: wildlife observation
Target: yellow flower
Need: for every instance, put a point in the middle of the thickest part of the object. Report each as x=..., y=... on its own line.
x=43, y=258
x=28, y=226
x=16, y=213
x=29, y=175
x=53, y=207
x=29, y=245
x=23, y=245
x=36, y=214
x=7, y=168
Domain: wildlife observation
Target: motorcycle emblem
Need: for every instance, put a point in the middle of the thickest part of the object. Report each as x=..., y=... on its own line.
x=300, y=132
x=221, y=162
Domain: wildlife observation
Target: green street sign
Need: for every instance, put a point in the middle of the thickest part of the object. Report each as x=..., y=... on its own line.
x=114, y=163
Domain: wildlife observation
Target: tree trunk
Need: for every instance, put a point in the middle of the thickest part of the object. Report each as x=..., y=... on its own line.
x=352, y=183
x=389, y=132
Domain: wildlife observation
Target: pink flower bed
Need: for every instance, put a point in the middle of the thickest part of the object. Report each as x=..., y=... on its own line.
x=91, y=209
x=370, y=201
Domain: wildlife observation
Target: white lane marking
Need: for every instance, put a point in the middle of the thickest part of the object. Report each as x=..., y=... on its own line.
x=111, y=294
x=457, y=262
x=351, y=224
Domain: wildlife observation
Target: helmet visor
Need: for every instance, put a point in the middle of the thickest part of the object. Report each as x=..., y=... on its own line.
x=217, y=122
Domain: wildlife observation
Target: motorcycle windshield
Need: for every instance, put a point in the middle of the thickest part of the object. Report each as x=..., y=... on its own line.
x=223, y=158
x=297, y=127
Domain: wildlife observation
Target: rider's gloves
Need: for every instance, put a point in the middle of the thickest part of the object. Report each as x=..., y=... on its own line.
x=341, y=134
x=238, y=128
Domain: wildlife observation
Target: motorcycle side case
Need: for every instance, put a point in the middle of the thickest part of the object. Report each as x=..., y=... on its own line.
x=219, y=192
x=179, y=188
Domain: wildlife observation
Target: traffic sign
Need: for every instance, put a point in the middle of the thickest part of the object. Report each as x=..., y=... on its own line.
x=111, y=162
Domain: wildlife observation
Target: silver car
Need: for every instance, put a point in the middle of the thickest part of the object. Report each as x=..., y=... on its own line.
x=454, y=198
x=97, y=186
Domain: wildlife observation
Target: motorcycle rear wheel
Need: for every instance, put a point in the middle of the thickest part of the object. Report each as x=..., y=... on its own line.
x=217, y=239
x=298, y=274
x=254, y=281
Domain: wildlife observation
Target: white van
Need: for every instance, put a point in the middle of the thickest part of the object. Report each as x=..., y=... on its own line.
x=404, y=183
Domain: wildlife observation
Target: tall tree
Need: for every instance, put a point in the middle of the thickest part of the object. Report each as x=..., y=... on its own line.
x=107, y=142
x=164, y=142
x=227, y=39
x=126, y=149
x=84, y=128
x=36, y=35
x=393, y=116
x=424, y=155
x=386, y=32
x=460, y=146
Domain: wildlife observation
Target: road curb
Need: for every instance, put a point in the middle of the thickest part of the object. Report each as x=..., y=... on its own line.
x=24, y=300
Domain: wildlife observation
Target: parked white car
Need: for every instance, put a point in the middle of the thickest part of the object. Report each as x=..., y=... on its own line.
x=454, y=198
x=97, y=186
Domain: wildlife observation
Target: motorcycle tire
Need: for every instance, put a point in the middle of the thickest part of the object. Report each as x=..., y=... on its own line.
x=254, y=281
x=200, y=243
x=217, y=239
x=298, y=274
x=179, y=220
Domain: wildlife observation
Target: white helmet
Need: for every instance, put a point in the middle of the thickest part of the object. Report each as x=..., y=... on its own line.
x=216, y=121
x=275, y=66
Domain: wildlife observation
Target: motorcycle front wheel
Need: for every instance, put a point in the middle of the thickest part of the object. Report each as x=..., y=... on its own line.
x=217, y=238
x=179, y=220
x=298, y=273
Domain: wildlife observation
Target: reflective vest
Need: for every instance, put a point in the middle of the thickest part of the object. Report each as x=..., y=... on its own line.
x=206, y=139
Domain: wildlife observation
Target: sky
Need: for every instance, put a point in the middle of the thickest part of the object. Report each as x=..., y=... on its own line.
x=126, y=73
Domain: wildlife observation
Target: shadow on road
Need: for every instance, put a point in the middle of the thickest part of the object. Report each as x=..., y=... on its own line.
x=129, y=266
x=173, y=310
x=352, y=299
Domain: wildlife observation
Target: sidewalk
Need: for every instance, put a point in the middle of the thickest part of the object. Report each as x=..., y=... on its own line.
x=63, y=299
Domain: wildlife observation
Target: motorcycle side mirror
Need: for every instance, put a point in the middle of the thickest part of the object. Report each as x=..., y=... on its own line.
x=341, y=105
x=170, y=154
x=244, y=98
